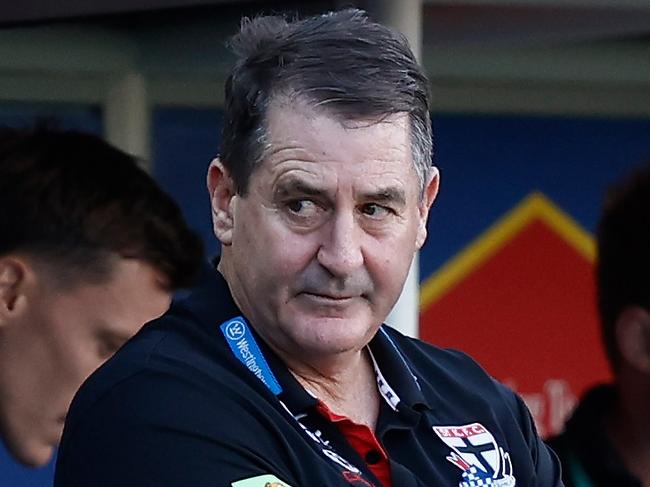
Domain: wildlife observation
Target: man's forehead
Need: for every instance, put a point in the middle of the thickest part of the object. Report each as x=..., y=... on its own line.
x=376, y=186
x=297, y=126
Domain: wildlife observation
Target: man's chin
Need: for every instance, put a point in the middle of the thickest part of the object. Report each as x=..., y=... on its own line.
x=33, y=453
x=318, y=307
x=333, y=335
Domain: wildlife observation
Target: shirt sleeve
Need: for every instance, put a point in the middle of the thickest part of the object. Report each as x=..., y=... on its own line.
x=162, y=431
x=547, y=471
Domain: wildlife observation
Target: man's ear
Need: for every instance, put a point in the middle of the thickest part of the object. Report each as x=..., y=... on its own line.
x=222, y=193
x=13, y=280
x=633, y=337
x=430, y=193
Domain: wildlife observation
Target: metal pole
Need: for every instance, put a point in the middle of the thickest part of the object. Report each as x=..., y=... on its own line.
x=126, y=116
x=405, y=16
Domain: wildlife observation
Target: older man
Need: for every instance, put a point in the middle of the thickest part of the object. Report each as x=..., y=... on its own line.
x=279, y=370
x=90, y=250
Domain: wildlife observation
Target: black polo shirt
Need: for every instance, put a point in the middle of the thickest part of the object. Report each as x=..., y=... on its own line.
x=191, y=402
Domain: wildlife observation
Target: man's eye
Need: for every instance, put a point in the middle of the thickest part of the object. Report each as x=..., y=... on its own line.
x=301, y=207
x=375, y=211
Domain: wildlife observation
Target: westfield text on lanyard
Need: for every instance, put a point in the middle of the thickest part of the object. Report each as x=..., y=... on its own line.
x=244, y=347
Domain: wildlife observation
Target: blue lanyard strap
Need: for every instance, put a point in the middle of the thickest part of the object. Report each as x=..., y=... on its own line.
x=243, y=345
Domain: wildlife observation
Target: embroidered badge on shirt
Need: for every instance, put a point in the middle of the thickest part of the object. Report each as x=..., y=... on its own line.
x=475, y=451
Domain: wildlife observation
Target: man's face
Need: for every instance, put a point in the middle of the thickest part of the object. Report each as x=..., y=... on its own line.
x=57, y=340
x=317, y=252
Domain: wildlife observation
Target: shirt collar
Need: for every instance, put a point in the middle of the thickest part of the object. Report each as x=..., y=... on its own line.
x=397, y=384
x=211, y=301
x=392, y=367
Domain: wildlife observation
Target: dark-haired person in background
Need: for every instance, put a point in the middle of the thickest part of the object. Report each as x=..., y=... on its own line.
x=278, y=370
x=90, y=250
x=606, y=442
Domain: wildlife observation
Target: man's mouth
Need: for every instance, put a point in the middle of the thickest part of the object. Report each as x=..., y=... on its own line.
x=334, y=298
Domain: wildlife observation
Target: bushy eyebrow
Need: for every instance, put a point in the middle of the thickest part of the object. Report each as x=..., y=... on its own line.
x=299, y=187
x=386, y=195
x=295, y=186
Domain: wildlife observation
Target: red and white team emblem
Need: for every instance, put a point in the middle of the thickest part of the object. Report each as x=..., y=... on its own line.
x=475, y=451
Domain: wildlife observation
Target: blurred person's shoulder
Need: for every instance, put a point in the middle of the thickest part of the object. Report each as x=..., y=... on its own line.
x=183, y=346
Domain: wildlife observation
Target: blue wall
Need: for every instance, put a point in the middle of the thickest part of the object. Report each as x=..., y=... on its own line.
x=185, y=140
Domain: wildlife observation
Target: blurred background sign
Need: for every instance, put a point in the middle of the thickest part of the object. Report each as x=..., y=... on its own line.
x=507, y=273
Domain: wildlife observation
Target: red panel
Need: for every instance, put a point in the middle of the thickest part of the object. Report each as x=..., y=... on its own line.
x=528, y=315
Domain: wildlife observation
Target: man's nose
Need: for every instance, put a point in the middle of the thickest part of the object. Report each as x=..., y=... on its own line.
x=340, y=250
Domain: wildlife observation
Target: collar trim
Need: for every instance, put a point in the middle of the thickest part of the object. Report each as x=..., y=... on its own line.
x=386, y=391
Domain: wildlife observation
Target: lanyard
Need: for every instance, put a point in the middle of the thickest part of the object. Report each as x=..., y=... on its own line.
x=244, y=347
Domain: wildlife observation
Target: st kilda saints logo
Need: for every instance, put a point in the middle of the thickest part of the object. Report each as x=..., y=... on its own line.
x=476, y=453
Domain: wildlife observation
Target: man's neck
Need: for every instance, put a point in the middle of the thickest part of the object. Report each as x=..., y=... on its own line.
x=348, y=388
x=345, y=382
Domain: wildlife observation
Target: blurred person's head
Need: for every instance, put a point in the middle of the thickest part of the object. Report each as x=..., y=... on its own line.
x=90, y=250
x=623, y=274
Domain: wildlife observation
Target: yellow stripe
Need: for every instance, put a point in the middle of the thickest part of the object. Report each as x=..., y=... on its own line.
x=535, y=205
x=579, y=238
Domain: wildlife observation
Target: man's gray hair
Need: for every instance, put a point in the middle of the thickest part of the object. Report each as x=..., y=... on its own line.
x=341, y=62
